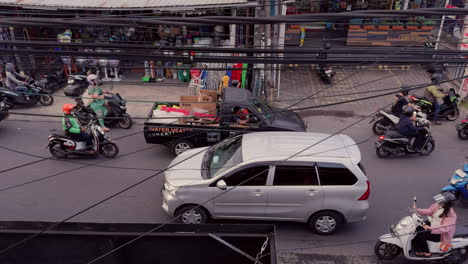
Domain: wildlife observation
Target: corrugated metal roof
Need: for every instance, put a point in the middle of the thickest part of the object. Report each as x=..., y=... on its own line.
x=119, y=4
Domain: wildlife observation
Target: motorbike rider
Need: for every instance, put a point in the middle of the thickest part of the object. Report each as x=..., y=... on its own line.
x=406, y=127
x=241, y=115
x=432, y=93
x=400, y=102
x=441, y=228
x=72, y=127
x=99, y=104
x=15, y=81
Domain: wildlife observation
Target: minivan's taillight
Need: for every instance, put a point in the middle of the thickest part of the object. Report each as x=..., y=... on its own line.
x=365, y=196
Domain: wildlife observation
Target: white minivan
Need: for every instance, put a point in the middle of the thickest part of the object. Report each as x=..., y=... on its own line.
x=277, y=176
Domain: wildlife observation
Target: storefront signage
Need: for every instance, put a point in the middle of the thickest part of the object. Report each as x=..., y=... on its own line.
x=404, y=37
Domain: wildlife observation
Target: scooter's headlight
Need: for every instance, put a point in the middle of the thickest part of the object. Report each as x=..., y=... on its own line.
x=100, y=130
x=402, y=224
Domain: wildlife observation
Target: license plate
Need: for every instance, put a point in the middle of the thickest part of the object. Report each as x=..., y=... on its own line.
x=71, y=81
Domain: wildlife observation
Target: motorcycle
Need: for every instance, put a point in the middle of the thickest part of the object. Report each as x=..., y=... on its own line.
x=448, y=110
x=399, y=240
x=458, y=184
x=76, y=85
x=36, y=94
x=62, y=146
x=53, y=81
x=4, y=106
x=117, y=114
x=393, y=143
x=385, y=121
x=326, y=73
x=462, y=129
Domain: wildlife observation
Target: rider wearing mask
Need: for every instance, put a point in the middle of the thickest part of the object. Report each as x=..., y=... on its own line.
x=432, y=93
x=14, y=80
x=442, y=226
x=406, y=127
x=72, y=127
x=400, y=102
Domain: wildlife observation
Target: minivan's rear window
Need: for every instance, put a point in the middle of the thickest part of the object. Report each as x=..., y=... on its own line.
x=335, y=174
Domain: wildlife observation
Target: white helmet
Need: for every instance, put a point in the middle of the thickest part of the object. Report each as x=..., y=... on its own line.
x=92, y=78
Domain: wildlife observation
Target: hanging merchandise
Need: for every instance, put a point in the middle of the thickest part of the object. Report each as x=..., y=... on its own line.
x=152, y=72
x=229, y=74
x=244, y=75
x=147, y=76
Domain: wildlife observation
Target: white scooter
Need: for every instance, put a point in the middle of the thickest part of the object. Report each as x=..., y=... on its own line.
x=399, y=240
x=385, y=121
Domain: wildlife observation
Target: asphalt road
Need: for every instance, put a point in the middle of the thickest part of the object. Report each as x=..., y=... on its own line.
x=394, y=183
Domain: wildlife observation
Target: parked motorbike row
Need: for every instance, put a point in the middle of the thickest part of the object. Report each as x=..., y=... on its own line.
x=393, y=143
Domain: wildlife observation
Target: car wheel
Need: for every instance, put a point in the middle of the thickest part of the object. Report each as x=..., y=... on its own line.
x=181, y=146
x=386, y=251
x=192, y=214
x=325, y=223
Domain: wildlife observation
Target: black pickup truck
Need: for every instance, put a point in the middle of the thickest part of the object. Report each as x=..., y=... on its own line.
x=192, y=133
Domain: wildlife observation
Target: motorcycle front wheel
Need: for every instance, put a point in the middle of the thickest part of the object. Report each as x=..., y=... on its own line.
x=109, y=149
x=453, y=115
x=463, y=133
x=126, y=121
x=386, y=251
x=46, y=100
x=381, y=126
x=428, y=148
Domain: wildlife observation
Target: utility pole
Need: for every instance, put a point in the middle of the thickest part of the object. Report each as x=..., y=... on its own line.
x=259, y=41
x=464, y=46
x=441, y=27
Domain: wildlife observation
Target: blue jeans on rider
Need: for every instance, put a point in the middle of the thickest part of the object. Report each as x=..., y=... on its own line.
x=83, y=137
x=23, y=90
x=436, y=110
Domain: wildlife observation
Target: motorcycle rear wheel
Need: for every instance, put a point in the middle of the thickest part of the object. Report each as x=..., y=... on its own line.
x=453, y=115
x=430, y=146
x=463, y=133
x=386, y=251
x=46, y=100
x=378, y=129
x=57, y=151
x=381, y=152
x=109, y=149
x=126, y=121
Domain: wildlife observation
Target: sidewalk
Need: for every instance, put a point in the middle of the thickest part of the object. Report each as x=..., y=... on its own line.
x=129, y=89
x=304, y=81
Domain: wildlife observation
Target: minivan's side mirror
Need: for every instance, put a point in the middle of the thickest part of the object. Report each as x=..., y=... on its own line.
x=221, y=185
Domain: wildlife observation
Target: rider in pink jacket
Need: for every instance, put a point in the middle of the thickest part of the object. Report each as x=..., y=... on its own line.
x=442, y=227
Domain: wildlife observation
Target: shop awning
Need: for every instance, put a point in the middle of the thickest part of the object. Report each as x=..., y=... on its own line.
x=124, y=4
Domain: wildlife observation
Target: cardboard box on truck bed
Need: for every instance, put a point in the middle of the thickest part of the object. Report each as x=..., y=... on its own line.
x=190, y=103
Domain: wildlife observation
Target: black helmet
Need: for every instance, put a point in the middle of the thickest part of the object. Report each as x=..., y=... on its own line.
x=436, y=77
x=405, y=91
x=234, y=83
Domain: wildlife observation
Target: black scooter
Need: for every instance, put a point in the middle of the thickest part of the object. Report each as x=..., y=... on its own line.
x=393, y=143
x=36, y=94
x=61, y=146
x=326, y=73
x=52, y=81
x=448, y=110
x=117, y=114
